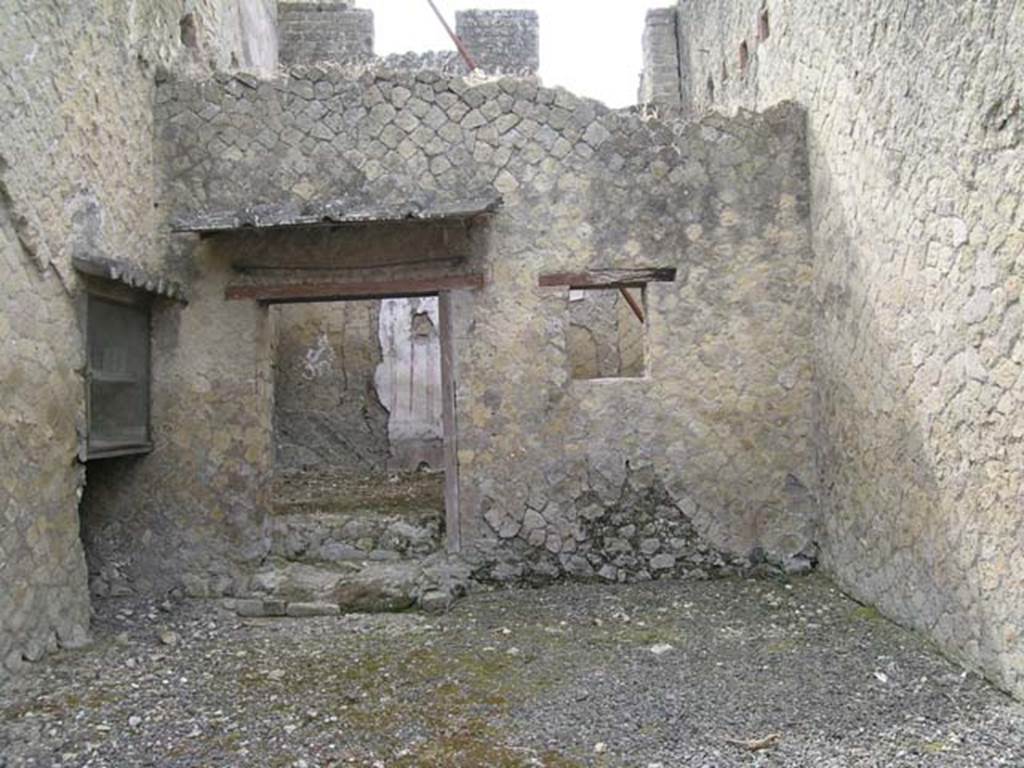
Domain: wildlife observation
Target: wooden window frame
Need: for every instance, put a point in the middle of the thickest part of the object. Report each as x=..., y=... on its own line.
x=117, y=295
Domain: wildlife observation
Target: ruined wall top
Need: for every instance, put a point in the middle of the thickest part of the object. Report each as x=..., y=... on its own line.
x=660, y=82
x=318, y=31
x=501, y=41
x=312, y=32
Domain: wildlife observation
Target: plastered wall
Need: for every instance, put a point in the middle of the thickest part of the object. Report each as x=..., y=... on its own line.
x=408, y=381
x=915, y=127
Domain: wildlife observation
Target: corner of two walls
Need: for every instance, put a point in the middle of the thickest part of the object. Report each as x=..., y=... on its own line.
x=200, y=494
x=191, y=513
x=77, y=178
x=916, y=145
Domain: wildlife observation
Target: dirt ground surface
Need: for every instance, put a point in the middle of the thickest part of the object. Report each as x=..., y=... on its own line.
x=334, y=490
x=720, y=673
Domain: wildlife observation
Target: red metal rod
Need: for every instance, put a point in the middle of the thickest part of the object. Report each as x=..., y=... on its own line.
x=466, y=55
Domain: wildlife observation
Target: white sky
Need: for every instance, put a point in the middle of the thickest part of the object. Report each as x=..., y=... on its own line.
x=591, y=47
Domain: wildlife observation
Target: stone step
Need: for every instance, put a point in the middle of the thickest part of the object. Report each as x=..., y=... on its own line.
x=364, y=510
x=283, y=588
x=338, y=538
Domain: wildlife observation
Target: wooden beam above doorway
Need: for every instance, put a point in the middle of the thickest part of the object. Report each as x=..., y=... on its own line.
x=608, y=278
x=340, y=290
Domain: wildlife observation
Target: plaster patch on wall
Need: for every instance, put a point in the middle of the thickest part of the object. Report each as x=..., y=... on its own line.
x=409, y=380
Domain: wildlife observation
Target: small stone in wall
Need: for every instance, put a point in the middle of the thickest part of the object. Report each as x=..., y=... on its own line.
x=537, y=537
x=578, y=567
x=507, y=572
x=798, y=565
x=533, y=520
x=435, y=601
x=73, y=637
x=502, y=523
x=663, y=562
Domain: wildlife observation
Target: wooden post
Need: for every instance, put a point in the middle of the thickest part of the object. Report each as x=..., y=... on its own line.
x=453, y=516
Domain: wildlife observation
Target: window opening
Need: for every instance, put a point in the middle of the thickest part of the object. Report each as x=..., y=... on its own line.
x=606, y=333
x=117, y=377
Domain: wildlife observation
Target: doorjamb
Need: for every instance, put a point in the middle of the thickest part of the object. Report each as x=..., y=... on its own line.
x=449, y=413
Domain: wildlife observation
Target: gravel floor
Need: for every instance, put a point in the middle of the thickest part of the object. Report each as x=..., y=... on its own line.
x=662, y=674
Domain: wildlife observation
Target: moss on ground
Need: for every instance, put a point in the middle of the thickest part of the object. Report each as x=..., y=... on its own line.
x=445, y=700
x=866, y=613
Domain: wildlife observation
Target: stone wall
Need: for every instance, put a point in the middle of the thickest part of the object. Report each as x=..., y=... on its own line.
x=335, y=31
x=660, y=81
x=915, y=131
x=76, y=179
x=446, y=62
x=501, y=41
x=506, y=42
x=706, y=459
x=316, y=31
x=191, y=513
x=326, y=408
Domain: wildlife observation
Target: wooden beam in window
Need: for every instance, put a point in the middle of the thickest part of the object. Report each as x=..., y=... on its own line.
x=339, y=290
x=608, y=278
x=633, y=303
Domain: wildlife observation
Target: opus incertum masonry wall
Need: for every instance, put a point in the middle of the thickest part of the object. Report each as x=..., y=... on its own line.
x=691, y=468
x=836, y=368
x=77, y=180
x=916, y=153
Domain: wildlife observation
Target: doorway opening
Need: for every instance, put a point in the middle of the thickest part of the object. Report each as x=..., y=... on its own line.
x=359, y=431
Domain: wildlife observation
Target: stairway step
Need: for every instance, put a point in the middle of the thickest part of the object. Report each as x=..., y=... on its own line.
x=367, y=587
x=339, y=538
x=333, y=508
x=285, y=588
